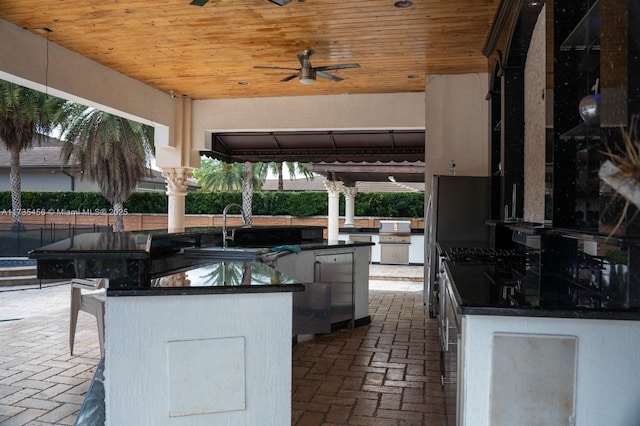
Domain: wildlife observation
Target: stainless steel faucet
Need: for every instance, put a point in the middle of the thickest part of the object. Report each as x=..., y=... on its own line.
x=226, y=238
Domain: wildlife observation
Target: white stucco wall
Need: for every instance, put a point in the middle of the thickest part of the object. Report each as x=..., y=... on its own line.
x=607, y=388
x=457, y=123
x=457, y=119
x=375, y=111
x=174, y=360
x=26, y=59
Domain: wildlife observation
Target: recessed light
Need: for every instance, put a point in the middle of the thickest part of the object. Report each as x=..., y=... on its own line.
x=534, y=3
x=403, y=3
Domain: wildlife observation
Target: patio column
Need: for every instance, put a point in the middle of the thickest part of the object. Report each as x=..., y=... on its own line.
x=334, y=188
x=176, y=178
x=349, y=205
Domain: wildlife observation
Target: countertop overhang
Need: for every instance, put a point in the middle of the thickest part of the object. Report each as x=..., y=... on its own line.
x=478, y=293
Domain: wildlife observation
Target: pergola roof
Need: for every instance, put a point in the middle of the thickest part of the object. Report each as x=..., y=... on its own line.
x=319, y=146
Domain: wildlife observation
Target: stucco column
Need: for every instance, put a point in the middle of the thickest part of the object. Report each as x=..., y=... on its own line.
x=349, y=205
x=176, y=178
x=334, y=188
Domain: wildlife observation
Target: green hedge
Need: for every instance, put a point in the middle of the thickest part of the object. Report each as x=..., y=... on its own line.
x=298, y=204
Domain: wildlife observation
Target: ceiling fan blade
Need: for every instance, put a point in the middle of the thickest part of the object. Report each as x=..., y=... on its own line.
x=291, y=77
x=337, y=67
x=327, y=75
x=275, y=68
x=198, y=2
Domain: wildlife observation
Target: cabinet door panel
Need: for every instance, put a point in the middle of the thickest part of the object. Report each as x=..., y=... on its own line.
x=533, y=379
x=337, y=270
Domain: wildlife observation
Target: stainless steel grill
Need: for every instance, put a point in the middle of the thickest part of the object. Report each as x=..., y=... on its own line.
x=395, y=231
x=395, y=239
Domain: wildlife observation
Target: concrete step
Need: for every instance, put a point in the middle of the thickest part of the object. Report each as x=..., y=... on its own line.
x=24, y=280
x=13, y=271
x=18, y=280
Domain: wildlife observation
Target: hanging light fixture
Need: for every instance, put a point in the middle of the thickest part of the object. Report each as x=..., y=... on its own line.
x=47, y=31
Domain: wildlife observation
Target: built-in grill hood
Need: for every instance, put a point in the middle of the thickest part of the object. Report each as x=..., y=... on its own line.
x=395, y=231
x=395, y=226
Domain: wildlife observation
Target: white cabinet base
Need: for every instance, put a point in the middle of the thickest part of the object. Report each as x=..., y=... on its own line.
x=198, y=360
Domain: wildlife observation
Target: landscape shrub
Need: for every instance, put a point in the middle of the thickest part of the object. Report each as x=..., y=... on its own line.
x=297, y=204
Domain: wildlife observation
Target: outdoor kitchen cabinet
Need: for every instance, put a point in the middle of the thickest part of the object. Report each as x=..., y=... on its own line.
x=337, y=270
x=508, y=365
x=394, y=254
x=344, y=267
x=449, y=327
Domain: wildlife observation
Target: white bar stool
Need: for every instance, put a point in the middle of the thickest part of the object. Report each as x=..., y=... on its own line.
x=92, y=303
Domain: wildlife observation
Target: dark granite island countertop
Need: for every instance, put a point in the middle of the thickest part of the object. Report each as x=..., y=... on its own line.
x=482, y=290
x=208, y=276
x=132, y=260
x=122, y=257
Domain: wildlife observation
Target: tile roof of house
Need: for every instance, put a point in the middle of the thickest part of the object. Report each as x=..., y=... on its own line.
x=44, y=154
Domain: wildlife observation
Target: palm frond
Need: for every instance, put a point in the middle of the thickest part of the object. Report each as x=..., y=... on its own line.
x=111, y=150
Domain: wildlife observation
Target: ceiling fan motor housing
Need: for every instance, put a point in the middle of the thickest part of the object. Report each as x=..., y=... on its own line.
x=307, y=75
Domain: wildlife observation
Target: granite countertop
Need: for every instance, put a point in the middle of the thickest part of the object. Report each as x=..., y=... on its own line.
x=97, y=245
x=136, y=262
x=210, y=276
x=157, y=242
x=484, y=290
x=140, y=243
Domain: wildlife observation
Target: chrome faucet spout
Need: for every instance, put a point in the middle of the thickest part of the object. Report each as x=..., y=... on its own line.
x=225, y=237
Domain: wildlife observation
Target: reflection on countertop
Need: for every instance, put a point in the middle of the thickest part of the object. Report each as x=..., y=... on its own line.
x=132, y=260
x=207, y=276
x=224, y=274
x=479, y=292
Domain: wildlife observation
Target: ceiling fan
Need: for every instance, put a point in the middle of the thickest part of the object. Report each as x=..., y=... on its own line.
x=203, y=2
x=306, y=73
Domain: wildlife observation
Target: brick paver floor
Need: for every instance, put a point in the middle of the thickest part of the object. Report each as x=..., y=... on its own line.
x=40, y=382
x=386, y=373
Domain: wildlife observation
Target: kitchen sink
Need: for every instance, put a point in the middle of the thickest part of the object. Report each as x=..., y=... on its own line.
x=227, y=254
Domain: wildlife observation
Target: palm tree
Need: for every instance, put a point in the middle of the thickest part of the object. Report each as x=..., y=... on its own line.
x=110, y=150
x=25, y=116
x=295, y=169
x=215, y=175
x=247, y=193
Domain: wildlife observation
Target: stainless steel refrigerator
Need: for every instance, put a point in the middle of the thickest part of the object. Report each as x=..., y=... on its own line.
x=457, y=211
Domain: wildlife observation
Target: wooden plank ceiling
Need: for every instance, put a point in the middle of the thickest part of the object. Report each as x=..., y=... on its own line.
x=207, y=52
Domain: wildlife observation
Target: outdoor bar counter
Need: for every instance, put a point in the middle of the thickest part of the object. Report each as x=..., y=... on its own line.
x=195, y=333
x=515, y=337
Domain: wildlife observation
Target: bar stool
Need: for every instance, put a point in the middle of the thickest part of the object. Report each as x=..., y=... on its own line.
x=92, y=303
